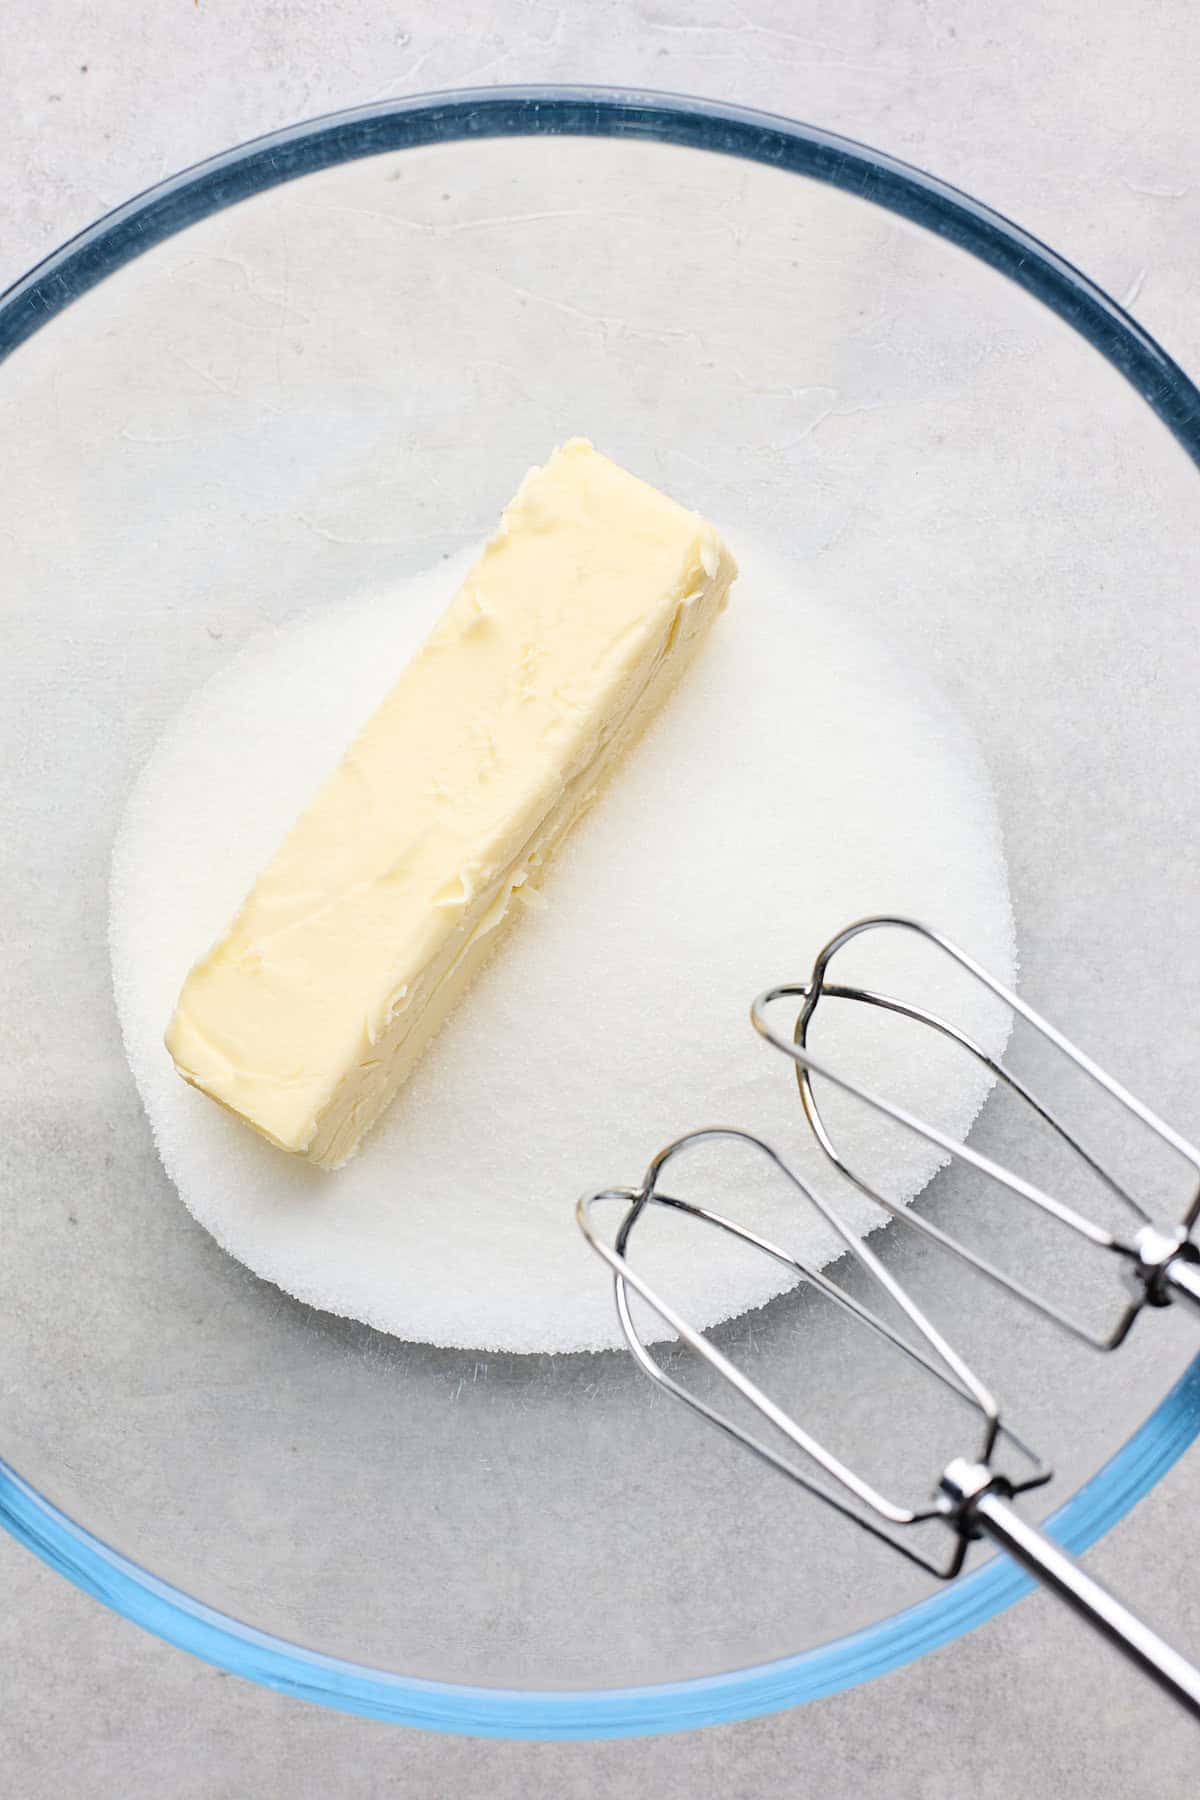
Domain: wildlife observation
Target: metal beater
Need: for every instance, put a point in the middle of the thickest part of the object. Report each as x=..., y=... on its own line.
x=1162, y=1261
x=973, y=1495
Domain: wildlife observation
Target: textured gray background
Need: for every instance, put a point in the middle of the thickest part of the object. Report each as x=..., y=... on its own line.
x=1081, y=125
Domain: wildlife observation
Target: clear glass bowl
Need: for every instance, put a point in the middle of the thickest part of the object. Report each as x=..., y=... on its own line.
x=394, y=308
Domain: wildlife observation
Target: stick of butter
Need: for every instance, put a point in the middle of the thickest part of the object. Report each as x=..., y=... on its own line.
x=394, y=886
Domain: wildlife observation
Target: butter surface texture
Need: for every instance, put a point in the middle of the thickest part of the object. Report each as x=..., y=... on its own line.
x=433, y=831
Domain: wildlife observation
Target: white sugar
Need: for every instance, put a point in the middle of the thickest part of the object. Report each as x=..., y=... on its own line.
x=800, y=778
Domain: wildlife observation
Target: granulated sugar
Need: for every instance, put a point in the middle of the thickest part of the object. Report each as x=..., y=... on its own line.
x=800, y=778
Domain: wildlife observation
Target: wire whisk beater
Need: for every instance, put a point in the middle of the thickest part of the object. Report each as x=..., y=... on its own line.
x=1161, y=1260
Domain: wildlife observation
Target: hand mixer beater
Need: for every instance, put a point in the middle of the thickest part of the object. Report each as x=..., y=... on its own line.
x=973, y=1494
x=1161, y=1261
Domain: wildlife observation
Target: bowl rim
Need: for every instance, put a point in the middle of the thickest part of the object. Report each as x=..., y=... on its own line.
x=594, y=112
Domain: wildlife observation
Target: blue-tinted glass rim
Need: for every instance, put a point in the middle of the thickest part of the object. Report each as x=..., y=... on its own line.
x=799, y=149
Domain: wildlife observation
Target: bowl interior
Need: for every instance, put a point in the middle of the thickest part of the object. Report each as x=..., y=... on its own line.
x=335, y=381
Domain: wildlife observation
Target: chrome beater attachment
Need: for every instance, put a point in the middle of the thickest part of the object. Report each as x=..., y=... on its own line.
x=973, y=1494
x=1161, y=1260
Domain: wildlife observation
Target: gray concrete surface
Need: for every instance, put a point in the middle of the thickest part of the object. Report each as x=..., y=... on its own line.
x=1079, y=122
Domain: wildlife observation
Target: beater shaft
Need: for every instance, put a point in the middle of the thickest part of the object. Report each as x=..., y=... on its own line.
x=1056, y=1570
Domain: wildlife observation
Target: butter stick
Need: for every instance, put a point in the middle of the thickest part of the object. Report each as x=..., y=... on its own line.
x=398, y=881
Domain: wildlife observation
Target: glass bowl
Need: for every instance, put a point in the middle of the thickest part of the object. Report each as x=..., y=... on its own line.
x=385, y=313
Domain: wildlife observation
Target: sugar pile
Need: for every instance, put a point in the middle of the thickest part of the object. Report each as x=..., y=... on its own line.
x=801, y=777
